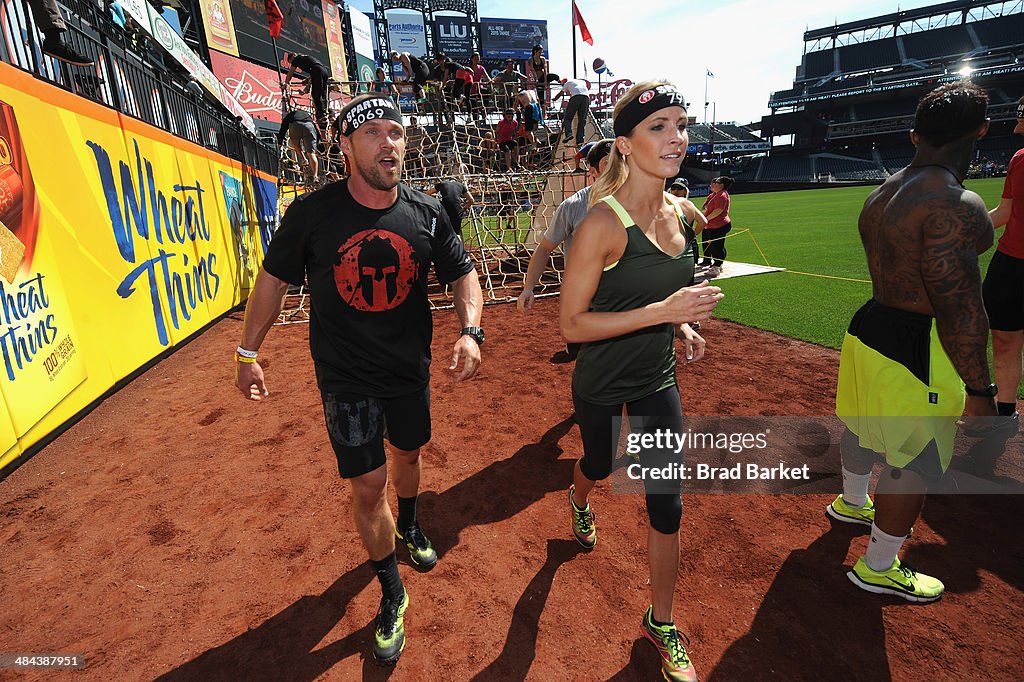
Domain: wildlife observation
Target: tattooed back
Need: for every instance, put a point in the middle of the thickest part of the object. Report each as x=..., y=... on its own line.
x=922, y=233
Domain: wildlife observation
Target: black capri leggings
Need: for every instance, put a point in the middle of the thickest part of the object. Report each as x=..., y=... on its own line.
x=662, y=411
x=714, y=243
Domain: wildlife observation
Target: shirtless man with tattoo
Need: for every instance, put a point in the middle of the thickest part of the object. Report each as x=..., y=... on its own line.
x=909, y=350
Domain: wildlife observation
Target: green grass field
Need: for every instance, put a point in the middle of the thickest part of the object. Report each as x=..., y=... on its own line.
x=810, y=231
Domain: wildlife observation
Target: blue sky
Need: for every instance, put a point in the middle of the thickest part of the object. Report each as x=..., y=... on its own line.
x=752, y=46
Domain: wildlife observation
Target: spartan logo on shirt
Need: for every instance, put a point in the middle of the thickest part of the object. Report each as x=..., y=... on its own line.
x=375, y=270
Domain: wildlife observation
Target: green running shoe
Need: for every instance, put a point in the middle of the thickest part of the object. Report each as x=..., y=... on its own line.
x=421, y=552
x=583, y=528
x=389, y=634
x=900, y=580
x=840, y=511
x=675, y=663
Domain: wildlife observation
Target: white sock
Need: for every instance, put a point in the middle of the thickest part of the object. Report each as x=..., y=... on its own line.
x=855, y=488
x=882, y=549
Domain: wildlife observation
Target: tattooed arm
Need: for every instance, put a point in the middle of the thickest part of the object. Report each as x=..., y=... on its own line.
x=952, y=233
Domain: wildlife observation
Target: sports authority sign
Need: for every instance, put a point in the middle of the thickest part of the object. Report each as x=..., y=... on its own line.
x=256, y=88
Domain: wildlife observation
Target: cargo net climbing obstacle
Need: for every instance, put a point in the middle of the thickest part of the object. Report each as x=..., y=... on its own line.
x=515, y=192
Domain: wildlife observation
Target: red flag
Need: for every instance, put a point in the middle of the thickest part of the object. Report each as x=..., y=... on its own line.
x=577, y=20
x=274, y=19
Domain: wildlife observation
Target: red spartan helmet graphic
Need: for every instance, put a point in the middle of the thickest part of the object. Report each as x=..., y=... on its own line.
x=375, y=270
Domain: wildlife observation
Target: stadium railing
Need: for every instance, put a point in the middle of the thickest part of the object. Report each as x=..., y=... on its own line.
x=132, y=76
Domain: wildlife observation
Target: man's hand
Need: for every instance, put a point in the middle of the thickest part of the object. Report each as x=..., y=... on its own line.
x=249, y=380
x=694, y=343
x=466, y=349
x=981, y=418
x=525, y=301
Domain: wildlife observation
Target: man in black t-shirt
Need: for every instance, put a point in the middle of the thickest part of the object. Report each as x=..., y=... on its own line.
x=318, y=75
x=364, y=247
x=455, y=198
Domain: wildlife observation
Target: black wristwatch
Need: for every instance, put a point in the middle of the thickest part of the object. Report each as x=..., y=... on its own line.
x=987, y=392
x=476, y=332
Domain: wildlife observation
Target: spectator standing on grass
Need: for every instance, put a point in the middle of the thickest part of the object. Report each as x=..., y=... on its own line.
x=628, y=290
x=716, y=210
x=1004, y=283
x=695, y=220
x=569, y=214
x=365, y=246
x=909, y=350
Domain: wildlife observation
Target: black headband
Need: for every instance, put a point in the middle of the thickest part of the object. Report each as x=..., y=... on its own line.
x=646, y=104
x=370, y=110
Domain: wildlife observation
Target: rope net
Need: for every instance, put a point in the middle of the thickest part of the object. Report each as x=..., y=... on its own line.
x=515, y=191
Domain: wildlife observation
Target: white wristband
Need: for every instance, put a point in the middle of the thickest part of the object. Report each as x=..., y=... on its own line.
x=246, y=353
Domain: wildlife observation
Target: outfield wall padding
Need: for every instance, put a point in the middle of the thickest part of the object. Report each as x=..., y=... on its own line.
x=119, y=241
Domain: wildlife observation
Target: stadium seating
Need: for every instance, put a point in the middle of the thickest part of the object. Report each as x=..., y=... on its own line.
x=848, y=169
x=896, y=157
x=781, y=169
x=1005, y=31
x=875, y=54
x=818, y=64
x=863, y=80
x=865, y=111
x=939, y=42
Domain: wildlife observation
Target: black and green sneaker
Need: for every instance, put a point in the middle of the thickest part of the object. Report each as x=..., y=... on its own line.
x=583, y=528
x=421, y=552
x=389, y=633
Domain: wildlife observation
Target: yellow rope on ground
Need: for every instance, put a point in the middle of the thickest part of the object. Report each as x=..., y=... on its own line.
x=794, y=272
x=814, y=274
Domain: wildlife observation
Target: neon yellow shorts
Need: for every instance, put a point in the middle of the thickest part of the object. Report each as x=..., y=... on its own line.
x=898, y=390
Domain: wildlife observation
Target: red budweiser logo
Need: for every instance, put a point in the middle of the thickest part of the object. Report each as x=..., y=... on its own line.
x=255, y=96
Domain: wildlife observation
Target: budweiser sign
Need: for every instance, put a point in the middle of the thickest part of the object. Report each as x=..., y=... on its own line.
x=604, y=97
x=256, y=88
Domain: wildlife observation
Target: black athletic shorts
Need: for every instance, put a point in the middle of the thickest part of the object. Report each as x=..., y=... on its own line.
x=1004, y=293
x=357, y=426
x=508, y=144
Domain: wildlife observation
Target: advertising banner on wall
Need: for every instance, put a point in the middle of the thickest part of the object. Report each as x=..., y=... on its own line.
x=362, y=40
x=451, y=36
x=335, y=43
x=515, y=38
x=219, y=26
x=257, y=89
x=153, y=23
x=406, y=33
x=166, y=236
x=302, y=30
